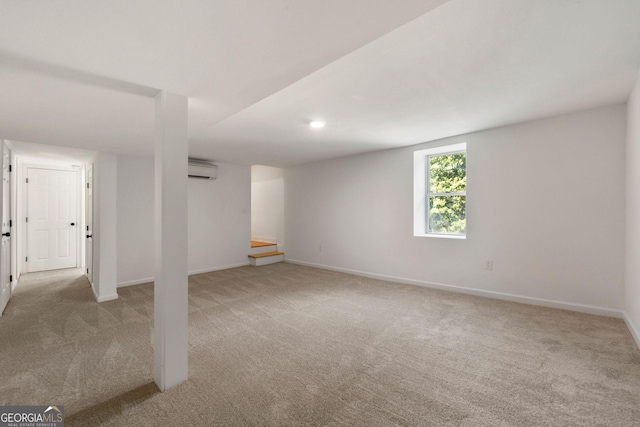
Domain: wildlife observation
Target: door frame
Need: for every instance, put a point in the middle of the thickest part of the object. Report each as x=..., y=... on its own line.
x=22, y=231
x=88, y=210
x=5, y=145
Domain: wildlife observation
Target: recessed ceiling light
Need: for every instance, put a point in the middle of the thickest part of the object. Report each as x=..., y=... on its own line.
x=316, y=124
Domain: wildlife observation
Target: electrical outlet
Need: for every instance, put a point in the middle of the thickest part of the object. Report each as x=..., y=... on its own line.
x=488, y=265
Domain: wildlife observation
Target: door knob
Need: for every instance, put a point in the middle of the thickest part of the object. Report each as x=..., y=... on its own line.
x=7, y=234
x=73, y=223
x=89, y=236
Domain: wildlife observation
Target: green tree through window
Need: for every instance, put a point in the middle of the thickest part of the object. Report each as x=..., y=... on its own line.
x=447, y=193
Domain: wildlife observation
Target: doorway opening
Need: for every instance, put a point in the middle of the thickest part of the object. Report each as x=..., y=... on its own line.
x=47, y=208
x=267, y=215
x=52, y=217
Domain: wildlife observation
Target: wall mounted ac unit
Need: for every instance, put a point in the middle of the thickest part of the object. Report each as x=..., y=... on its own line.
x=202, y=170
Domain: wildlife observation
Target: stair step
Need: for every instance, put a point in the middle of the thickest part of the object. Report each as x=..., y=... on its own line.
x=259, y=244
x=266, y=254
x=266, y=258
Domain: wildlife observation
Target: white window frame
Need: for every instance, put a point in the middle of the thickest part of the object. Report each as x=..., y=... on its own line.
x=421, y=188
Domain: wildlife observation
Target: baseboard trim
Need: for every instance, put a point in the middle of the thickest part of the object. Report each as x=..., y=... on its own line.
x=104, y=297
x=108, y=298
x=635, y=332
x=583, y=308
x=134, y=282
x=190, y=273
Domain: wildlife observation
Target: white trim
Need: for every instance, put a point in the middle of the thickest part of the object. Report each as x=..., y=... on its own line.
x=583, y=308
x=80, y=181
x=191, y=273
x=420, y=189
x=134, y=282
x=443, y=149
x=107, y=298
x=103, y=298
x=444, y=236
x=635, y=332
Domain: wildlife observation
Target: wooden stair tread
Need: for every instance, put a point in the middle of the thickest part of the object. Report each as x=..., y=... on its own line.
x=258, y=244
x=266, y=254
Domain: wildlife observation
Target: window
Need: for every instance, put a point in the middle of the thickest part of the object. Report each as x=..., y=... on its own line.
x=440, y=191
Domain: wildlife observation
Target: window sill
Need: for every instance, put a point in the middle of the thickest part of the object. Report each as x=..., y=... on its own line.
x=442, y=236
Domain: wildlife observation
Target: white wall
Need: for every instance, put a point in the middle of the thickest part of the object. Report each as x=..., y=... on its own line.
x=135, y=212
x=219, y=220
x=267, y=204
x=632, y=276
x=545, y=203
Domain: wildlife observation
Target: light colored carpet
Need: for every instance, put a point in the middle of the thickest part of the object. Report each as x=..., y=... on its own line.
x=285, y=345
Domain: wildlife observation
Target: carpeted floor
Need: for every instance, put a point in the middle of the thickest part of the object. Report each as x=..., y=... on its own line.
x=285, y=345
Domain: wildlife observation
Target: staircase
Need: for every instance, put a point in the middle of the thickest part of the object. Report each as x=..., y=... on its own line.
x=263, y=253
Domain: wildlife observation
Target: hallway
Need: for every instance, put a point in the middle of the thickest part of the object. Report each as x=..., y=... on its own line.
x=60, y=346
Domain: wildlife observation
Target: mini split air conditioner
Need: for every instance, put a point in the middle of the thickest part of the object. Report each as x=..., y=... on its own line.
x=202, y=170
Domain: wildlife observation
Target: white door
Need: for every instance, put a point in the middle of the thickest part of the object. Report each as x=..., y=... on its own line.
x=52, y=197
x=5, y=252
x=89, y=224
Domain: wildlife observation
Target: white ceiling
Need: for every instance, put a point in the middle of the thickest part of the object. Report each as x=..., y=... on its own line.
x=382, y=74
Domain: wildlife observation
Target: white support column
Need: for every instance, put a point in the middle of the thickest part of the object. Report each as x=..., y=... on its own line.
x=105, y=254
x=171, y=287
